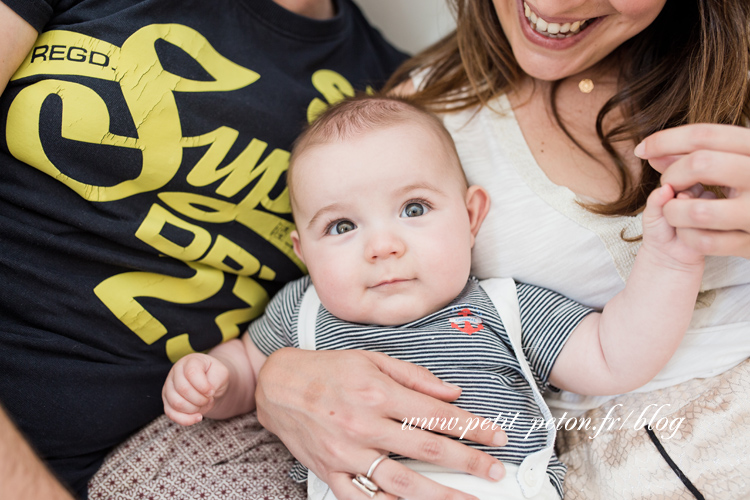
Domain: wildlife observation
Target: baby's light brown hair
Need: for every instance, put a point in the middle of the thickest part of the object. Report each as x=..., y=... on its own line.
x=364, y=113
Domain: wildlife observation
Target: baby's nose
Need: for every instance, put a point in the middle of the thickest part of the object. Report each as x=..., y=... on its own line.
x=383, y=245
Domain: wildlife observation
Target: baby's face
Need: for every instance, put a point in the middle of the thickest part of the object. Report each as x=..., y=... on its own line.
x=383, y=224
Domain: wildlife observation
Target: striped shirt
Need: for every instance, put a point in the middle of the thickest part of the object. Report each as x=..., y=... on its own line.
x=464, y=343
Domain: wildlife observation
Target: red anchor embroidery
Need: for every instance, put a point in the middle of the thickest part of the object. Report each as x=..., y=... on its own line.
x=467, y=326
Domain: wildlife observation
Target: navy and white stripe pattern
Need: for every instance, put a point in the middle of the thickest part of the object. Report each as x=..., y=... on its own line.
x=481, y=363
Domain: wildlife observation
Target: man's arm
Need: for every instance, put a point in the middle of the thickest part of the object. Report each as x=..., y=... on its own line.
x=22, y=475
x=639, y=330
x=16, y=39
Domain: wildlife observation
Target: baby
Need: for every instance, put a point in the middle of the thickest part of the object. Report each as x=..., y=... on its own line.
x=385, y=224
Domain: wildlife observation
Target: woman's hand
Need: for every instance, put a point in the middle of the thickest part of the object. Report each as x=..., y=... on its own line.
x=708, y=154
x=337, y=411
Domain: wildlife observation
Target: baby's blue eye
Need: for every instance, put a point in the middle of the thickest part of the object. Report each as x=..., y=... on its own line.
x=414, y=210
x=341, y=227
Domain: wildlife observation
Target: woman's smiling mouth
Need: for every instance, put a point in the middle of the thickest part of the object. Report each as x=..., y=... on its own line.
x=550, y=29
x=554, y=31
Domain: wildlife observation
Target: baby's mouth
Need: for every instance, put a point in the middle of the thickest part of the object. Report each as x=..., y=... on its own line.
x=553, y=30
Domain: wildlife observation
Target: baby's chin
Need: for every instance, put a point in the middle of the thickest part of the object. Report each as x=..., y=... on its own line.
x=399, y=314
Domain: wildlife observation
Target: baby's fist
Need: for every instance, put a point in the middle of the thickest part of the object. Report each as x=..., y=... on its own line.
x=660, y=238
x=192, y=386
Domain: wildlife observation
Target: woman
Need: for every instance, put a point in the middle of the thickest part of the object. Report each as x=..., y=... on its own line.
x=547, y=101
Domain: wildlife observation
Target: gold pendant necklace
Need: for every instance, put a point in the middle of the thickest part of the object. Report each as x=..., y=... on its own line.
x=586, y=85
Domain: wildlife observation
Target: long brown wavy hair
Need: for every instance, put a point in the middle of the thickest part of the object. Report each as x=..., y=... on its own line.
x=691, y=65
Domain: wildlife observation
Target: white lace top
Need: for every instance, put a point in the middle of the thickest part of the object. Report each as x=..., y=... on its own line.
x=537, y=233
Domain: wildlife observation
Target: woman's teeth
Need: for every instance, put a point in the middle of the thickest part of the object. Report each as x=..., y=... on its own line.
x=552, y=30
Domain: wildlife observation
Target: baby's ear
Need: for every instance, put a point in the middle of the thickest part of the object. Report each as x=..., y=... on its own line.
x=297, y=245
x=477, y=205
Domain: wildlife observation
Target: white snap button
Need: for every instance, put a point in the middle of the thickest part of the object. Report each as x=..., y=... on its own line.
x=530, y=478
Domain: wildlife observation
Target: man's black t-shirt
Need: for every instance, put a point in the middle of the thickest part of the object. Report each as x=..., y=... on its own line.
x=143, y=208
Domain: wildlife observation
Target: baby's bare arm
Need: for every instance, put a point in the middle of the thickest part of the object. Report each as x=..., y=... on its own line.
x=244, y=360
x=639, y=330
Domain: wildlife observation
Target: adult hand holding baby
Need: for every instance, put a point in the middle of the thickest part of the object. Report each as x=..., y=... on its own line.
x=707, y=154
x=359, y=417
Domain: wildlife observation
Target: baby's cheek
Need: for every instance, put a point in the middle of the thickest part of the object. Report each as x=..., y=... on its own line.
x=341, y=299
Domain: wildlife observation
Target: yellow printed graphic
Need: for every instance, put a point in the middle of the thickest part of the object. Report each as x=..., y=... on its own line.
x=229, y=322
x=148, y=90
x=180, y=225
x=334, y=88
x=69, y=53
x=254, y=295
x=178, y=347
x=272, y=228
x=119, y=293
x=85, y=118
x=151, y=232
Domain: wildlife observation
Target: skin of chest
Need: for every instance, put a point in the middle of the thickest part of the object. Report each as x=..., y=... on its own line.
x=563, y=162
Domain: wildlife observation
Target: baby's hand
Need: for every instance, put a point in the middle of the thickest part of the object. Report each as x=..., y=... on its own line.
x=192, y=386
x=662, y=239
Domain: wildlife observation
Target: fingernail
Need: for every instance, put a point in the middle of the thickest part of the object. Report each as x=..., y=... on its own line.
x=499, y=439
x=640, y=149
x=452, y=386
x=497, y=472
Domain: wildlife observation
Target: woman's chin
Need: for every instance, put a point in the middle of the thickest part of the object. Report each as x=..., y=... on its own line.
x=546, y=70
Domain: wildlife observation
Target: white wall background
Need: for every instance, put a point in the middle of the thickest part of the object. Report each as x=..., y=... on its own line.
x=410, y=25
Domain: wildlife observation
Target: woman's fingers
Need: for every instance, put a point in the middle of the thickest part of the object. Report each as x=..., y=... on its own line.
x=714, y=168
x=395, y=480
x=712, y=226
x=417, y=396
x=401, y=481
x=662, y=163
x=417, y=411
x=689, y=138
x=707, y=242
x=347, y=409
x=343, y=488
x=410, y=423
x=694, y=192
x=716, y=215
x=397, y=419
x=437, y=449
x=414, y=377
x=712, y=155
